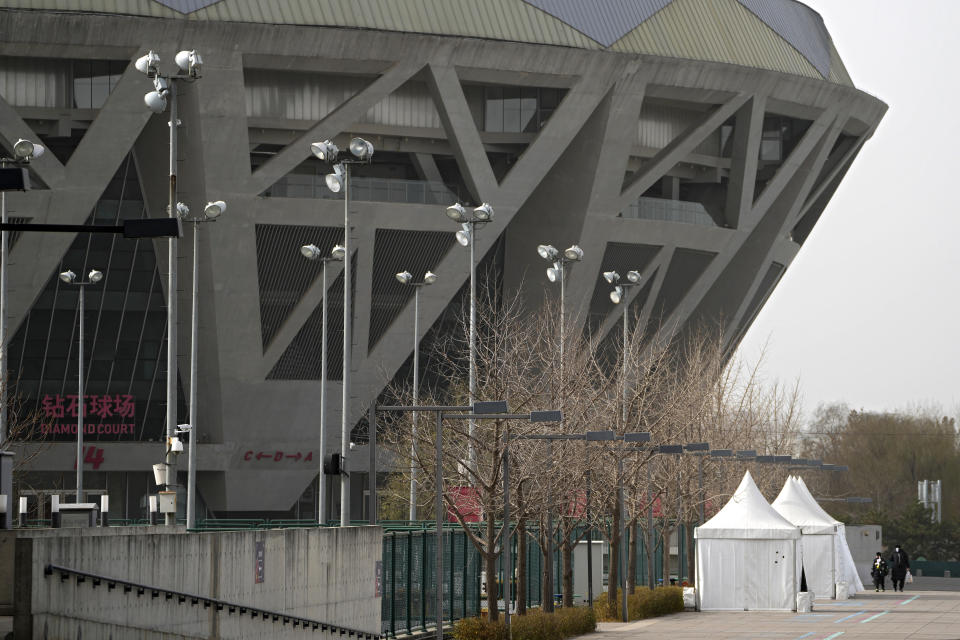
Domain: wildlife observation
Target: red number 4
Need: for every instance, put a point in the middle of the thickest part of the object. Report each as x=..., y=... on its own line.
x=94, y=456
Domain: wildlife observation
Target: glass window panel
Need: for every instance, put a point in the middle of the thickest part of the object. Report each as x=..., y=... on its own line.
x=511, y=110
x=493, y=109
x=528, y=110
x=82, y=87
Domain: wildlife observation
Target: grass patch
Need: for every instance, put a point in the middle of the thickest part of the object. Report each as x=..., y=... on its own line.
x=643, y=603
x=565, y=622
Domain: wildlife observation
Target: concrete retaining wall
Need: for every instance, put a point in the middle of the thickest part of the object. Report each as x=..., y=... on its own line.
x=323, y=574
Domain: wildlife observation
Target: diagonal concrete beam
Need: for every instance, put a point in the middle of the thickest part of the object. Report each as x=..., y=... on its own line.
x=335, y=122
x=462, y=133
x=13, y=128
x=678, y=149
x=748, y=131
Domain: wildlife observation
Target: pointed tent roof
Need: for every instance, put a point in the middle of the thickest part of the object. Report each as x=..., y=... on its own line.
x=796, y=505
x=748, y=515
x=813, y=501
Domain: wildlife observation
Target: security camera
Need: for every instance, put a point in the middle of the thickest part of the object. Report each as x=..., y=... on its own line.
x=184, y=428
x=176, y=445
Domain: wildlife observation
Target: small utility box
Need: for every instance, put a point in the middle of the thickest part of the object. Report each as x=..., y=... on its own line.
x=167, y=502
x=81, y=514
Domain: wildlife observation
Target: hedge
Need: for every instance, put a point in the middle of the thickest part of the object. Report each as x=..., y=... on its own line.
x=566, y=622
x=643, y=603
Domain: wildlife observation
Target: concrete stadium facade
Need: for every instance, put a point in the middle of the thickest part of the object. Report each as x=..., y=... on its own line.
x=697, y=141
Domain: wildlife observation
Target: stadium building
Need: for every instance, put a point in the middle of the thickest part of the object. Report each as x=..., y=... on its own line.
x=697, y=141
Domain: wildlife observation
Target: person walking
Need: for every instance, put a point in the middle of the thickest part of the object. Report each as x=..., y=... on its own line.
x=899, y=566
x=879, y=573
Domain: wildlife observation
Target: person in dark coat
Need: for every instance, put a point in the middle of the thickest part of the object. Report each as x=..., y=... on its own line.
x=899, y=565
x=879, y=572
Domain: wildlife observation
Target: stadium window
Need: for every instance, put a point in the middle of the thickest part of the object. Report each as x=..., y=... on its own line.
x=93, y=80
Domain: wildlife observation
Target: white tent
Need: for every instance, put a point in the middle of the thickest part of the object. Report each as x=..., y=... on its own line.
x=748, y=556
x=846, y=569
x=819, y=539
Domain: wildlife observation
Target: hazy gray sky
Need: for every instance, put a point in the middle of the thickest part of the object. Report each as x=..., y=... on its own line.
x=867, y=314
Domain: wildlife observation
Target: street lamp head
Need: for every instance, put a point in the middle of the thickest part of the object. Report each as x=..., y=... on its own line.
x=148, y=64
x=555, y=272
x=617, y=294
x=24, y=150
x=633, y=276
x=404, y=277
x=335, y=179
x=463, y=236
x=339, y=252
x=68, y=276
x=483, y=213
x=310, y=251
x=547, y=252
x=182, y=210
x=361, y=148
x=326, y=151
x=429, y=277
x=155, y=101
x=456, y=212
x=214, y=209
x=95, y=276
x=611, y=276
x=573, y=253
x=189, y=62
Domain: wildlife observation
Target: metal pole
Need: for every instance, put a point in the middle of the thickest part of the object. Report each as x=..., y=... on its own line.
x=700, y=484
x=416, y=401
x=347, y=346
x=3, y=317
x=81, y=404
x=623, y=540
x=438, y=480
x=372, y=473
x=505, y=547
x=171, y=472
x=548, y=541
x=194, y=332
x=625, y=338
x=472, y=431
x=322, y=507
x=589, y=548
x=650, y=552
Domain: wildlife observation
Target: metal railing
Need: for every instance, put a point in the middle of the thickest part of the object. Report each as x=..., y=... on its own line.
x=206, y=601
x=366, y=189
x=669, y=211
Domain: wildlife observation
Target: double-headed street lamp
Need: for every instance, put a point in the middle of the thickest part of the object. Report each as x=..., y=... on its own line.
x=617, y=296
x=405, y=277
x=211, y=212
x=467, y=237
x=338, y=181
x=312, y=252
x=23, y=152
x=69, y=277
x=164, y=95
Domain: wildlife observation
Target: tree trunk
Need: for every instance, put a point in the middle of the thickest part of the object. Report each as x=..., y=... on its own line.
x=613, y=575
x=493, y=610
x=691, y=555
x=632, y=558
x=566, y=567
x=666, y=554
x=546, y=593
x=521, y=567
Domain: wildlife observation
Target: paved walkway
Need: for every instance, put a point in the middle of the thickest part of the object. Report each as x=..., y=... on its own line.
x=917, y=615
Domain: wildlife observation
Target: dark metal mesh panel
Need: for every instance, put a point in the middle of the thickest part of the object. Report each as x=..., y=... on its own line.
x=283, y=274
x=396, y=250
x=619, y=257
x=302, y=358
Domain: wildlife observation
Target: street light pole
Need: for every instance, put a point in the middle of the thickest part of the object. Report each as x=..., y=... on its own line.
x=467, y=236
x=212, y=211
x=312, y=252
x=405, y=277
x=23, y=152
x=171, y=470
x=69, y=277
